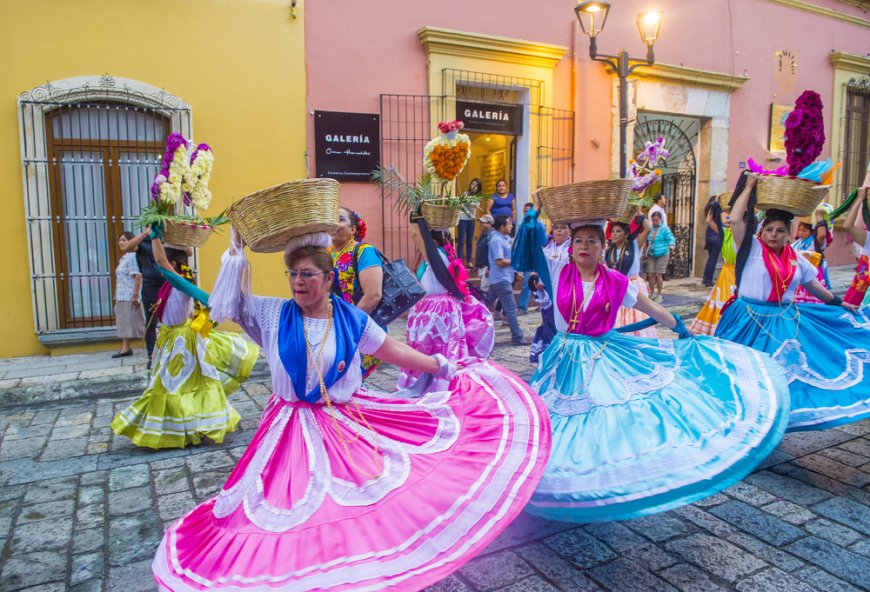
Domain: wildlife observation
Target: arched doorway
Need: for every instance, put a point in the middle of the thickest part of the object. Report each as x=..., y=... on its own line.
x=679, y=174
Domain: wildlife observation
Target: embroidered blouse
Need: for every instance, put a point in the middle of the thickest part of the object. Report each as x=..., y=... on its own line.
x=264, y=316
x=556, y=266
x=756, y=284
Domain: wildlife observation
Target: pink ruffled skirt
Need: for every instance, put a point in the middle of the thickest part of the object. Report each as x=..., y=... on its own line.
x=375, y=494
x=628, y=316
x=441, y=324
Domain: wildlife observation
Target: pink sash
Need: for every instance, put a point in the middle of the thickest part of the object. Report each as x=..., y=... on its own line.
x=600, y=316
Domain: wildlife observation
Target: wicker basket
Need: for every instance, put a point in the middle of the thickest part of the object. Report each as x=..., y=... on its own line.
x=269, y=218
x=786, y=193
x=186, y=234
x=439, y=216
x=588, y=200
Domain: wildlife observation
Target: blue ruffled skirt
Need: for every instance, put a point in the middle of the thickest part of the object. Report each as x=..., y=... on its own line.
x=824, y=350
x=644, y=425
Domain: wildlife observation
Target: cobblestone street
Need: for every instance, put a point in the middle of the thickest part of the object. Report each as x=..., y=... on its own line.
x=83, y=510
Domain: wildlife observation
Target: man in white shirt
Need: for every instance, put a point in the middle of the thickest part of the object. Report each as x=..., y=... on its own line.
x=659, y=206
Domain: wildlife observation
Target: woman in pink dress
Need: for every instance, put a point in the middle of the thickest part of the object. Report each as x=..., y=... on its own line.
x=449, y=320
x=346, y=489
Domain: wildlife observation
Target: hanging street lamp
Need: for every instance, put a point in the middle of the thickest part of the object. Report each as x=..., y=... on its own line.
x=592, y=16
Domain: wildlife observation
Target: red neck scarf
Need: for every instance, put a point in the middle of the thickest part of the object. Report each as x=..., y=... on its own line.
x=600, y=316
x=781, y=269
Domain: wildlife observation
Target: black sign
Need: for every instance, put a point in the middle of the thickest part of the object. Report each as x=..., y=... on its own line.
x=347, y=145
x=490, y=118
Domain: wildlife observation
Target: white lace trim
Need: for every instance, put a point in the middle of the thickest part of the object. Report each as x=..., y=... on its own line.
x=793, y=359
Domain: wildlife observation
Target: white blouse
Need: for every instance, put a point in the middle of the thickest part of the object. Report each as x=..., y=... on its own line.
x=556, y=266
x=755, y=283
x=428, y=280
x=179, y=307
x=265, y=316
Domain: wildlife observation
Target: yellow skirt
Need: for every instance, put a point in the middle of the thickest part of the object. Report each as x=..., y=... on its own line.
x=186, y=398
x=706, y=321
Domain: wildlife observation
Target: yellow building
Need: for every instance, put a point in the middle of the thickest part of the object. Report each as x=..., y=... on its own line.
x=88, y=93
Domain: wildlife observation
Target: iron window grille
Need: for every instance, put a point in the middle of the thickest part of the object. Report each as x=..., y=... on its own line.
x=89, y=154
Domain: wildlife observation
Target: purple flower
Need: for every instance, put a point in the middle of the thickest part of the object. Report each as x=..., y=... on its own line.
x=199, y=147
x=804, y=132
x=173, y=141
x=155, y=186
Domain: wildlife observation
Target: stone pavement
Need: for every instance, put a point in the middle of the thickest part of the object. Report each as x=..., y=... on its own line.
x=83, y=510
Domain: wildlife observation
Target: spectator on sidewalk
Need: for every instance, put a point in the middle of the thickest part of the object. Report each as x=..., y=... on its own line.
x=465, y=229
x=481, y=253
x=501, y=277
x=659, y=206
x=152, y=280
x=712, y=238
x=129, y=319
x=660, y=244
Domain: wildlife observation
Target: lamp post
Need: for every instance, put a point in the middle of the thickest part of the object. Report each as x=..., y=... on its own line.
x=592, y=16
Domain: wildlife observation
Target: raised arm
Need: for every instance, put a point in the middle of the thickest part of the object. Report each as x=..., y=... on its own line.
x=643, y=232
x=133, y=243
x=738, y=224
x=850, y=224
x=160, y=254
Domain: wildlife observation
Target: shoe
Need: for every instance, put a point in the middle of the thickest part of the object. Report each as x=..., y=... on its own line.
x=657, y=298
x=129, y=352
x=520, y=341
x=522, y=313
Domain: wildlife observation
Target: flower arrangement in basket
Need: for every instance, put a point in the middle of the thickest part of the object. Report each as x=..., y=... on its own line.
x=646, y=175
x=182, y=183
x=798, y=186
x=446, y=155
x=431, y=197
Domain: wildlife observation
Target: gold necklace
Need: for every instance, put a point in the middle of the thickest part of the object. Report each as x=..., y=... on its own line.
x=314, y=363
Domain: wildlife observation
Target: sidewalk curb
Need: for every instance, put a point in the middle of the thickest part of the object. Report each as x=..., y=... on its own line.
x=89, y=388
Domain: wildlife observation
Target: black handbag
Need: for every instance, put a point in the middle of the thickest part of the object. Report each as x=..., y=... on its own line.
x=401, y=290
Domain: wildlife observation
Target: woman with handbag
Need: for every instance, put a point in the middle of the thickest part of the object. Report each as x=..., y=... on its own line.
x=359, y=274
x=642, y=425
x=327, y=496
x=449, y=320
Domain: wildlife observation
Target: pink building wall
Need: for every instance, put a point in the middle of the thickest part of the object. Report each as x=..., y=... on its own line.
x=358, y=50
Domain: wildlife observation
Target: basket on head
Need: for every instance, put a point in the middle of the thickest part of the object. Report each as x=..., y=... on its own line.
x=790, y=194
x=269, y=218
x=439, y=216
x=587, y=200
x=186, y=234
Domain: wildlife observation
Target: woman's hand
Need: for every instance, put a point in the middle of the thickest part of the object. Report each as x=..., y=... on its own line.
x=134, y=303
x=850, y=307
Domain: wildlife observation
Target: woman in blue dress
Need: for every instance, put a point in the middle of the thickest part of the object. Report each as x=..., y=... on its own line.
x=823, y=348
x=643, y=425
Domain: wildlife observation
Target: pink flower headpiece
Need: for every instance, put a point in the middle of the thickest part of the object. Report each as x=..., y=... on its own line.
x=450, y=126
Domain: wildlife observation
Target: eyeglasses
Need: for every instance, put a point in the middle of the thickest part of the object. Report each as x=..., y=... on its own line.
x=305, y=275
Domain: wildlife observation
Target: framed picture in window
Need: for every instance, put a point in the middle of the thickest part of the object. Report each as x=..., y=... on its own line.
x=776, y=139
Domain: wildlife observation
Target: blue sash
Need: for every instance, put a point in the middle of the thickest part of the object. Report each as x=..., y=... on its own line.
x=348, y=322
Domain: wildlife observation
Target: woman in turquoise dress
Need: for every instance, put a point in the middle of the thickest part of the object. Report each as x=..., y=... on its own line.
x=643, y=425
x=824, y=349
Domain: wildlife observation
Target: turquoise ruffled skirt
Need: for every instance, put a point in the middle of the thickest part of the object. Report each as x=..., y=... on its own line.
x=644, y=425
x=824, y=351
